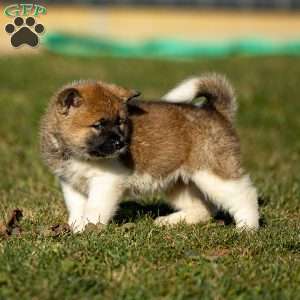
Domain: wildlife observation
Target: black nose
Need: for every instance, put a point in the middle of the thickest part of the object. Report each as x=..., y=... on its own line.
x=118, y=142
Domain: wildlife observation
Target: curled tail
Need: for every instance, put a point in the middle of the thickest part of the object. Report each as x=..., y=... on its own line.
x=215, y=88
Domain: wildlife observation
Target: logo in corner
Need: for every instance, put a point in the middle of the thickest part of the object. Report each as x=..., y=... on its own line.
x=24, y=29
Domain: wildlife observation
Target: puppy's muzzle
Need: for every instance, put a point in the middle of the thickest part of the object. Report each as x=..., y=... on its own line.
x=101, y=147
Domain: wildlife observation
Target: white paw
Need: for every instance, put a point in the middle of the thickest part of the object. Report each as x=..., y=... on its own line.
x=187, y=216
x=247, y=220
x=245, y=226
x=77, y=226
x=171, y=219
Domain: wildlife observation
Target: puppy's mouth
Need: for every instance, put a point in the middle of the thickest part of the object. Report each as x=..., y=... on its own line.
x=100, y=154
x=111, y=147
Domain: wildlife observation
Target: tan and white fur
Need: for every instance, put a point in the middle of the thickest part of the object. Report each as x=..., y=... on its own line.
x=198, y=182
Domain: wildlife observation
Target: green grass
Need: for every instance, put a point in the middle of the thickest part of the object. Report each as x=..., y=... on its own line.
x=186, y=262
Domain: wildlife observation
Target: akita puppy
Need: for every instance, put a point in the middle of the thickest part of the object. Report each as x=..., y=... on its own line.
x=102, y=144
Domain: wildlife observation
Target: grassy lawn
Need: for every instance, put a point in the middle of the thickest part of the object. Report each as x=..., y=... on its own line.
x=209, y=261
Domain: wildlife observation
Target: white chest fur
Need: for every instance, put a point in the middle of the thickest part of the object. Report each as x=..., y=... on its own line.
x=79, y=173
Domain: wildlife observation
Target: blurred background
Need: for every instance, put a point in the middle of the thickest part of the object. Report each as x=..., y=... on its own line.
x=166, y=27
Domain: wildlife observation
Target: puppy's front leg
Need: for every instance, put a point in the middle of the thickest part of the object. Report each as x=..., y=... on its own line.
x=75, y=203
x=105, y=192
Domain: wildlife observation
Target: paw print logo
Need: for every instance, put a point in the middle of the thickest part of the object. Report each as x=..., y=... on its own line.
x=24, y=33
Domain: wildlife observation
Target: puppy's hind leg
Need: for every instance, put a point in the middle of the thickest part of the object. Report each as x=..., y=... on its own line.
x=237, y=196
x=189, y=204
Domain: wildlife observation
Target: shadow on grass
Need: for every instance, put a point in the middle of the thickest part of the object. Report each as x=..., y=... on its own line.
x=131, y=211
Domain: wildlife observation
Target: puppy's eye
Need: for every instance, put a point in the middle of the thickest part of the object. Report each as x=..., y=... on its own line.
x=100, y=124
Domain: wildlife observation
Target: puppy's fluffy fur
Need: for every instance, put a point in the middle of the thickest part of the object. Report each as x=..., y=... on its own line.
x=103, y=144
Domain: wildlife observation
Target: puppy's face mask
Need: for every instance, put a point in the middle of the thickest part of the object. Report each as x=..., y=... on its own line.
x=93, y=119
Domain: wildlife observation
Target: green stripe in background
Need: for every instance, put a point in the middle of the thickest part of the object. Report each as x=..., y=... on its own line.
x=165, y=48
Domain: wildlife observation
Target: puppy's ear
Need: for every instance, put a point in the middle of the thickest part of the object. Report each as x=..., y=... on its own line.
x=121, y=92
x=133, y=94
x=68, y=98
